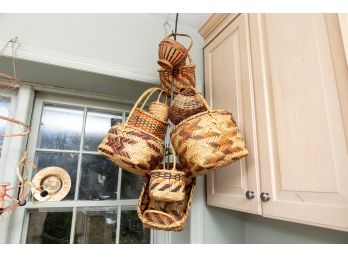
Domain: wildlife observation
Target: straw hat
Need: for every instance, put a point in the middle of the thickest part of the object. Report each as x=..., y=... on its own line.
x=56, y=181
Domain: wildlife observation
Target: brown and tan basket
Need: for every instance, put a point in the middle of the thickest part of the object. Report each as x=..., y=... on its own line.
x=185, y=104
x=167, y=185
x=171, y=53
x=208, y=141
x=159, y=109
x=137, y=144
x=183, y=76
x=164, y=215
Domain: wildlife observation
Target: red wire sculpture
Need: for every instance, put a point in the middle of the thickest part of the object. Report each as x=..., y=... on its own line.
x=24, y=187
x=11, y=82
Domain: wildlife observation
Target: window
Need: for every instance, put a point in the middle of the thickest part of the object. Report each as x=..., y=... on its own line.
x=101, y=205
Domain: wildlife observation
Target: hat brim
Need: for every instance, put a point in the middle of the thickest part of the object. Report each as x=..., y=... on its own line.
x=58, y=172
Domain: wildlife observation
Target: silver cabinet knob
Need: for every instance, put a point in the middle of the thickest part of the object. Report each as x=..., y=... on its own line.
x=265, y=197
x=250, y=195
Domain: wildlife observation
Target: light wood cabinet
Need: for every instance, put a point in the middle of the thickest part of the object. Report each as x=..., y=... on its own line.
x=228, y=85
x=284, y=77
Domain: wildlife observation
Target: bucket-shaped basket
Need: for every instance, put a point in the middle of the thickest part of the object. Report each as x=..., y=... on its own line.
x=182, y=76
x=137, y=144
x=166, y=184
x=208, y=141
x=171, y=53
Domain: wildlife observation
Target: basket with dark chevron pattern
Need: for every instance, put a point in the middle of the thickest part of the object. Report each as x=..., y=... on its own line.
x=207, y=141
x=164, y=215
x=183, y=77
x=136, y=145
x=167, y=185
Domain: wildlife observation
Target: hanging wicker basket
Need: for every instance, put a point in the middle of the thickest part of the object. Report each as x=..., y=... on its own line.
x=185, y=104
x=164, y=215
x=167, y=185
x=137, y=144
x=171, y=53
x=183, y=77
x=207, y=141
x=159, y=109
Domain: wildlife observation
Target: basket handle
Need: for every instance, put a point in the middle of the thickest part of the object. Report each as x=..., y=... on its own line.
x=184, y=35
x=161, y=213
x=161, y=94
x=174, y=158
x=147, y=93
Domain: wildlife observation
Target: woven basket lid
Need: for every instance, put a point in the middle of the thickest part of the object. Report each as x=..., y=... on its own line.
x=55, y=180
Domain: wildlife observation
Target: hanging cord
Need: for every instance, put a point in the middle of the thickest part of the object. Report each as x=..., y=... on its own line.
x=166, y=26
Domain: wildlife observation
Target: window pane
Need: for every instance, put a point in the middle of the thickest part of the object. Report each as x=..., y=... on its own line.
x=99, y=178
x=97, y=125
x=131, y=185
x=67, y=161
x=49, y=227
x=131, y=229
x=4, y=111
x=95, y=226
x=60, y=128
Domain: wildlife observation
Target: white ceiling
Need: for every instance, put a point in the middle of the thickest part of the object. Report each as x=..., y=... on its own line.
x=193, y=20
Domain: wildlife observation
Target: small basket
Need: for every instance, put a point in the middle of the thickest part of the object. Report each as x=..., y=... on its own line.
x=171, y=53
x=167, y=185
x=163, y=215
x=183, y=77
x=158, y=109
x=186, y=104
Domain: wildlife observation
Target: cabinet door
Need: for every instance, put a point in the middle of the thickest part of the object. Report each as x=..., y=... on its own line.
x=228, y=85
x=297, y=68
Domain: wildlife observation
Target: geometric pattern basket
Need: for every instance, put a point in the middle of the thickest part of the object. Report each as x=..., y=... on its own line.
x=208, y=141
x=164, y=215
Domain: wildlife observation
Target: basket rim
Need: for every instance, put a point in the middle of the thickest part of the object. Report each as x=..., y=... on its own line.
x=188, y=66
x=175, y=44
x=148, y=114
x=168, y=171
x=125, y=126
x=221, y=111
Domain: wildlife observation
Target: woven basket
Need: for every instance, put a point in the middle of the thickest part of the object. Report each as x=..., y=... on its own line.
x=136, y=145
x=182, y=76
x=167, y=185
x=164, y=215
x=171, y=53
x=158, y=109
x=208, y=141
x=185, y=104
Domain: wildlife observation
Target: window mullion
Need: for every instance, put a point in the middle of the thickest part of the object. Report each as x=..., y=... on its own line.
x=73, y=225
x=118, y=225
x=78, y=175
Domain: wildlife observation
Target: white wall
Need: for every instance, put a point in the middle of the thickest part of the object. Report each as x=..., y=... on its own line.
x=121, y=45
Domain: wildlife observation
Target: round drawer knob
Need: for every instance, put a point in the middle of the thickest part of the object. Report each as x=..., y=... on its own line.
x=250, y=195
x=265, y=197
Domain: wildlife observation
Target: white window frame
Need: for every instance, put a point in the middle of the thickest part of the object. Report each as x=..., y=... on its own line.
x=12, y=94
x=21, y=218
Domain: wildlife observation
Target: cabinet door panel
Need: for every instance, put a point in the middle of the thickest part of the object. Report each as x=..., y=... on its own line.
x=228, y=86
x=302, y=139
